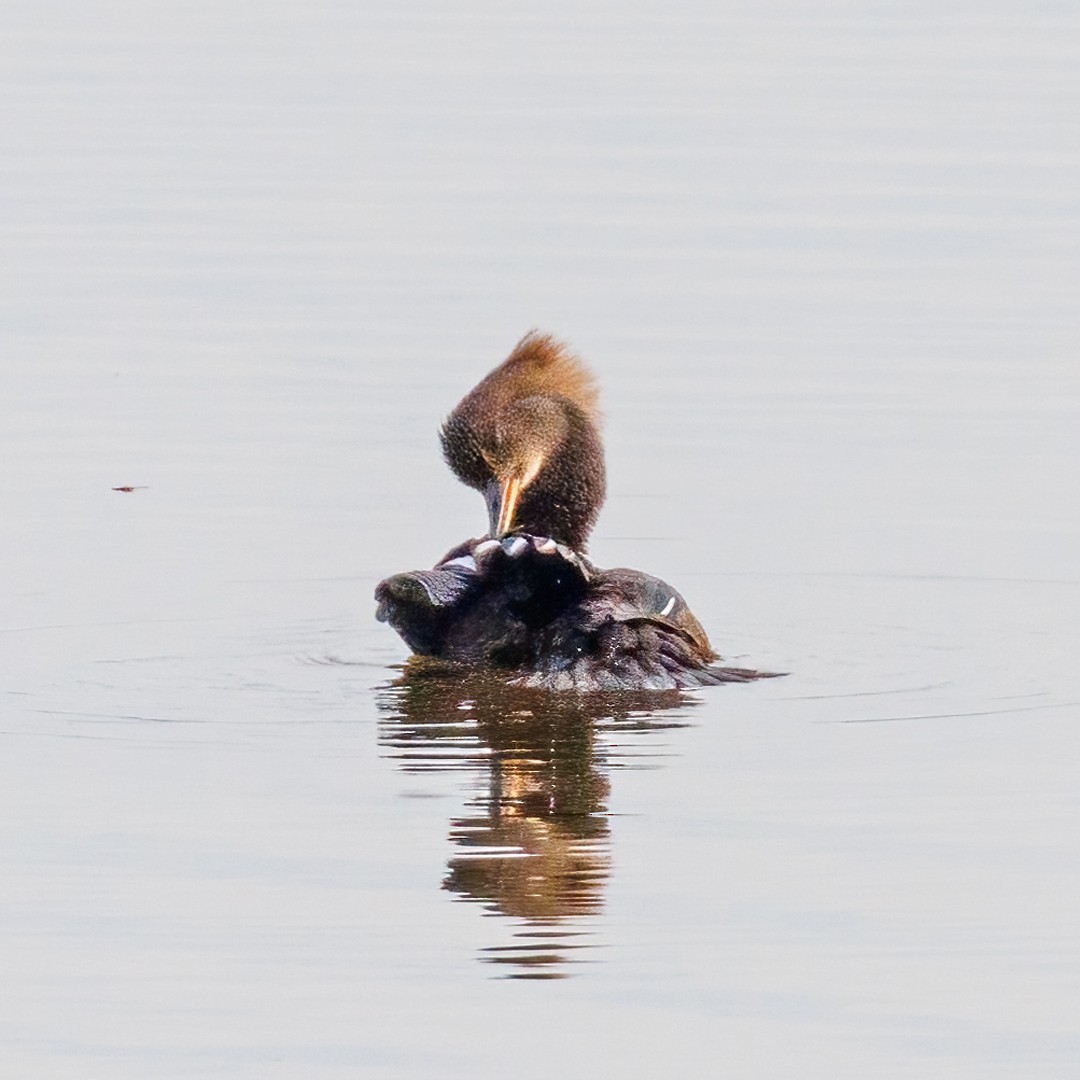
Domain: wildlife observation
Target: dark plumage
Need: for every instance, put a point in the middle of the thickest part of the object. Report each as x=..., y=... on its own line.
x=525, y=602
x=545, y=617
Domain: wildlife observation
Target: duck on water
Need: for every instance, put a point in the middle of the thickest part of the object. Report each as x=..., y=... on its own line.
x=525, y=602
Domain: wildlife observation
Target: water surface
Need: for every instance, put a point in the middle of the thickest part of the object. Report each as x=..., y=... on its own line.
x=824, y=263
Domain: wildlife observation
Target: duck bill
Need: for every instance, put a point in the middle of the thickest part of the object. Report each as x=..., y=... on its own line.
x=503, y=497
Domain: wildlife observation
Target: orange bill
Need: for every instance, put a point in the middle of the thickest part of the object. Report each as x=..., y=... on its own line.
x=509, y=496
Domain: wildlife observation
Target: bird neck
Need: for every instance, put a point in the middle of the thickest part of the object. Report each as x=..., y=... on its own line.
x=565, y=498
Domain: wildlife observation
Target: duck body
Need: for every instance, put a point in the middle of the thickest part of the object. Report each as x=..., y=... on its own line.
x=540, y=615
x=525, y=602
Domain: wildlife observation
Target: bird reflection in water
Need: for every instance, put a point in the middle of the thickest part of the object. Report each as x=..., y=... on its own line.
x=534, y=845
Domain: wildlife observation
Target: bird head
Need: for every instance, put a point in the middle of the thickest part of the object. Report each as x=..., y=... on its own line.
x=526, y=437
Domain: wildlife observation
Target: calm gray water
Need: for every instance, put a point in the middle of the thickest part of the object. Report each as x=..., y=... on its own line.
x=824, y=260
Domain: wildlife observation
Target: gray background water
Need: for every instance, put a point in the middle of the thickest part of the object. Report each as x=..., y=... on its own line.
x=823, y=259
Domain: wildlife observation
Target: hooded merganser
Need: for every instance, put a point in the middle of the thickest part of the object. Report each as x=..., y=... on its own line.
x=525, y=602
